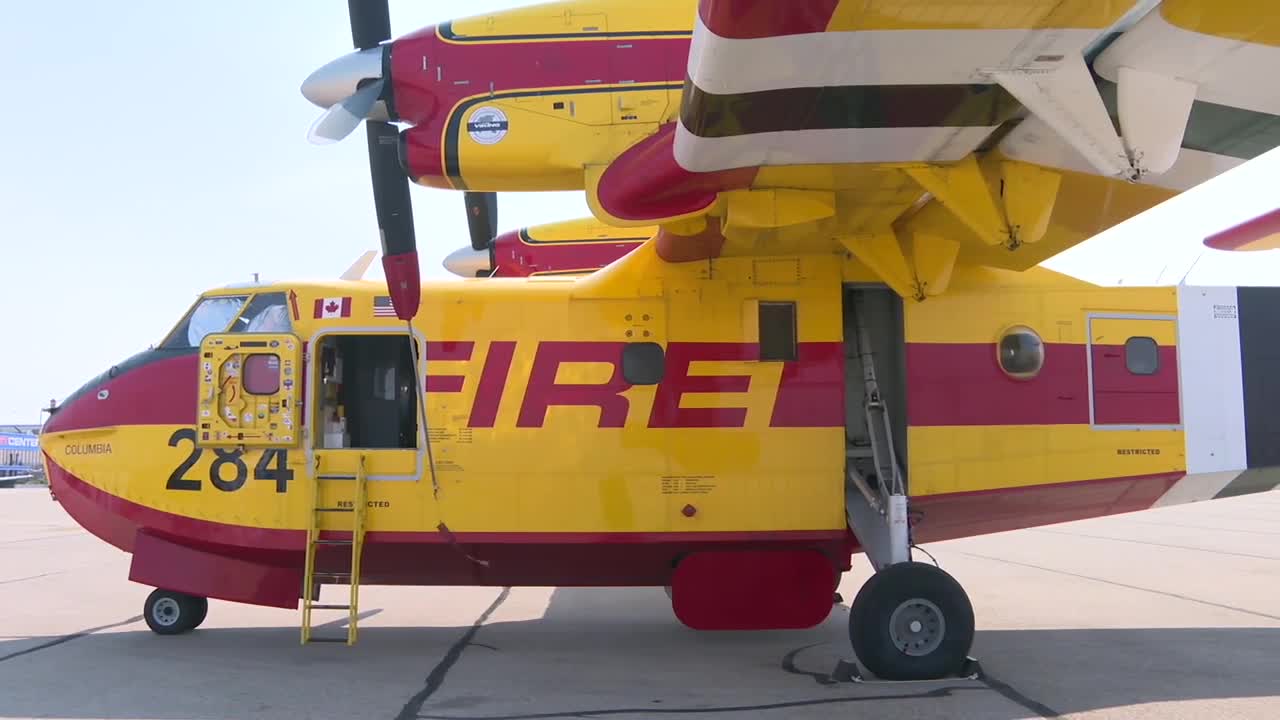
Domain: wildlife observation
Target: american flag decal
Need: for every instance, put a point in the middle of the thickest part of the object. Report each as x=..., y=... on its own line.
x=382, y=306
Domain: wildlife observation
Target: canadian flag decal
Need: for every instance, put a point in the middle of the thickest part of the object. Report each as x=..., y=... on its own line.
x=332, y=308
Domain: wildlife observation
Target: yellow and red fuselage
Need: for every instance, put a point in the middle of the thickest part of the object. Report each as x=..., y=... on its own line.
x=553, y=469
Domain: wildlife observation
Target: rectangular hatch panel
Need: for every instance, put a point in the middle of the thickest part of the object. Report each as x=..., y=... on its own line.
x=249, y=390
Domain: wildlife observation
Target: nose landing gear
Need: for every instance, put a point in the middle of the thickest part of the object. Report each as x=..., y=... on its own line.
x=173, y=613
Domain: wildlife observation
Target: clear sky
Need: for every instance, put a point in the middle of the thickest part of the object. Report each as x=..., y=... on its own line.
x=153, y=149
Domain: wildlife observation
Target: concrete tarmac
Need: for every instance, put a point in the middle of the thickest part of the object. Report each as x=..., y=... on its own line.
x=1171, y=613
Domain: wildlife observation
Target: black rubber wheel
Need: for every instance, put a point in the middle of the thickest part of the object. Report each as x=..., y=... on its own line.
x=201, y=607
x=173, y=613
x=911, y=621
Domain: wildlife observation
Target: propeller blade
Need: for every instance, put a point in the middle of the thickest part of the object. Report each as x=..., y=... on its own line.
x=340, y=120
x=370, y=22
x=395, y=218
x=482, y=217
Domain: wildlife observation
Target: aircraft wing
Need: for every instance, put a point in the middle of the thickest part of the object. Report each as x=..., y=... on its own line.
x=924, y=133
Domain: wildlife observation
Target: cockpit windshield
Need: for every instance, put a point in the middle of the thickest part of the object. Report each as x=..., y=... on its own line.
x=267, y=313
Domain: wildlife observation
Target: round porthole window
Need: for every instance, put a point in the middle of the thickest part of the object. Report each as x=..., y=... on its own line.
x=1021, y=353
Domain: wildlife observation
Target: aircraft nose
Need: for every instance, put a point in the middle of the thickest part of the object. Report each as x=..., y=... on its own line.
x=468, y=262
x=338, y=79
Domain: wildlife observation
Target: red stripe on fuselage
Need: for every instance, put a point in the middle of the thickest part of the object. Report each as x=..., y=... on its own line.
x=748, y=19
x=159, y=392
x=956, y=515
x=1124, y=398
x=811, y=391
x=962, y=384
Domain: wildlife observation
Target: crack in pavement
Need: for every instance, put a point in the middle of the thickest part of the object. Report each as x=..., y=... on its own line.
x=31, y=577
x=69, y=638
x=436, y=677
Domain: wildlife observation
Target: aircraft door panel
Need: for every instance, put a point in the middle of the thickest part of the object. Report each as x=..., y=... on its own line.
x=1133, y=371
x=365, y=402
x=249, y=390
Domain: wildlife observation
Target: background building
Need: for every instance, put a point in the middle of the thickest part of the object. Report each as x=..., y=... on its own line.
x=19, y=452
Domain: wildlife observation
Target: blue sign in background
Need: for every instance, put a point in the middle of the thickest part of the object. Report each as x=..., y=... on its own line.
x=19, y=453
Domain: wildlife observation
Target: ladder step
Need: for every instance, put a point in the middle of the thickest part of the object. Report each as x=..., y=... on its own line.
x=332, y=542
x=335, y=509
x=327, y=639
x=320, y=606
x=331, y=574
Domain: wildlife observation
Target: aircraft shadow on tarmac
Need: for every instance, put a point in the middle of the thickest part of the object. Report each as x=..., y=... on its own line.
x=606, y=653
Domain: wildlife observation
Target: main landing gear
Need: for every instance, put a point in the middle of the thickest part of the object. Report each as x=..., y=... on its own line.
x=173, y=613
x=910, y=621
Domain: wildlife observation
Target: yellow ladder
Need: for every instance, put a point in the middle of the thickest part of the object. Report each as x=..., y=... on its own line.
x=314, y=540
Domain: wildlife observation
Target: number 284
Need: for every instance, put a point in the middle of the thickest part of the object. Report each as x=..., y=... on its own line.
x=228, y=471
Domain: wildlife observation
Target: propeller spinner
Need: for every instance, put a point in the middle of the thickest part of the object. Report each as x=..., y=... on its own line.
x=356, y=87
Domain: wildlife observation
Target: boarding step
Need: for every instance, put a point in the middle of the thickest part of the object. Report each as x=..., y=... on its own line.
x=312, y=578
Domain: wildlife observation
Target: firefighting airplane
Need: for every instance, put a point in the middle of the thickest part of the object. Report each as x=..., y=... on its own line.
x=838, y=340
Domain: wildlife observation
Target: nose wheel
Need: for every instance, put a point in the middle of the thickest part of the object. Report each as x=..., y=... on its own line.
x=173, y=613
x=911, y=621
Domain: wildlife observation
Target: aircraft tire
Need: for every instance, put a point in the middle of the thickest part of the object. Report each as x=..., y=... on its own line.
x=911, y=621
x=173, y=613
x=202, y=610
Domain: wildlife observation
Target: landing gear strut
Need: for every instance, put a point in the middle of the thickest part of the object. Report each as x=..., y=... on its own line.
x=910, y=621
x=173, y=613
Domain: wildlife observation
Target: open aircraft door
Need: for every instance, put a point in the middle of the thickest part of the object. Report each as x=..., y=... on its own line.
x=249, y=391
x=1133, y=371
x=363, y=387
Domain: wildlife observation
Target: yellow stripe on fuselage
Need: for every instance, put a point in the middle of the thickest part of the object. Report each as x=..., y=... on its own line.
x=562, y=20
x=973, y=458
x=983, y=302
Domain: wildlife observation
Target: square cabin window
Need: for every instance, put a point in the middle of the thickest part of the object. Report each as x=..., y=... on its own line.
x=1142, y=356
x=262, y=374
x=778, y=331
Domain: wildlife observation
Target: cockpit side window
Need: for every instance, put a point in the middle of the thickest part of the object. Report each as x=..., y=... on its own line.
x=210, y=315
x=267, y=313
